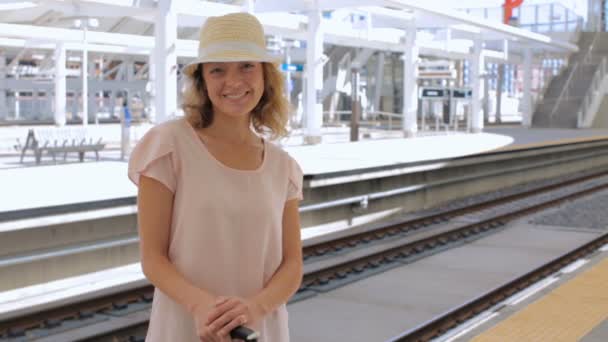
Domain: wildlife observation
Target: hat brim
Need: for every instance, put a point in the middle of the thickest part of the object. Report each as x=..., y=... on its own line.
x=190, y=68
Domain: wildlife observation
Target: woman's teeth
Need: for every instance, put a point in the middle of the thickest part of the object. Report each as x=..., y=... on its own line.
x=235, y=96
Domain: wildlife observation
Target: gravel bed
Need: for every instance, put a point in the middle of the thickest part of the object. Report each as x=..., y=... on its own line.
x=588, y=212
x=534, y=199
x=488, y=196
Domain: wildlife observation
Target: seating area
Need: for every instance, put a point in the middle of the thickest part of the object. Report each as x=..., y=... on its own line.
x=57, y=140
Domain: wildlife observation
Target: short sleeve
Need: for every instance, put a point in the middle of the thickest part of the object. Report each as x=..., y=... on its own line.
x=153, y=157
x=294, y=188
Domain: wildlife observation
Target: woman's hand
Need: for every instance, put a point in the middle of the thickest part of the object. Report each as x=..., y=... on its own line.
x=201, y=315
x=230, y=312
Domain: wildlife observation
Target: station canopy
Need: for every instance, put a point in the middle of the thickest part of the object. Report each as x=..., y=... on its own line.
x=126, y=27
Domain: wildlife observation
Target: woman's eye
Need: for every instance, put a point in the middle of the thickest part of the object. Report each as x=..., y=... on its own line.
x=248, y=65
x=215, y=70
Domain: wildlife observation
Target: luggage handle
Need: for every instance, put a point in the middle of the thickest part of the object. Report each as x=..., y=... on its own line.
x=245, y=334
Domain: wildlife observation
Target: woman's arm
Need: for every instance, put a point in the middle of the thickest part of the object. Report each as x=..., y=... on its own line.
x=155, y=207
x=288, y=277
x=230, y=312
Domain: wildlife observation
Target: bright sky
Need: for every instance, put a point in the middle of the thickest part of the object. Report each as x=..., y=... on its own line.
x=578, y=6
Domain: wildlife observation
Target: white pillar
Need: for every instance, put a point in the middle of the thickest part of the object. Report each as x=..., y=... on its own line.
x=477, y=66
x=248, y=6
x=314, y=79
x=92, y=104
x=99, y=79
x=60, y=84
x=165, y=31
x=130, y=69
x=379, y=81
x=527, y=98
x=3, y=107
x=85, y=78
x=151, y=88
x=288, y=75
x=410, y=86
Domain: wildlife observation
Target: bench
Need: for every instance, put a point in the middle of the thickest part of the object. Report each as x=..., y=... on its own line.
x=57, y=140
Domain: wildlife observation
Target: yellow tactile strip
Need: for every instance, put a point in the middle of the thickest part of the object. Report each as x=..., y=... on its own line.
x=567, y=313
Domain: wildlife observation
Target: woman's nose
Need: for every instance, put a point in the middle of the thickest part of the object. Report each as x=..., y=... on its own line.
x=234, y=77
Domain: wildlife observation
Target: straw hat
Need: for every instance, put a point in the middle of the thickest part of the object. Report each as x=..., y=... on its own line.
x=235, y=37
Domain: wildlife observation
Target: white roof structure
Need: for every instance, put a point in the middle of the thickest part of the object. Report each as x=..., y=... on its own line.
x=127, y=27
x=164, y=34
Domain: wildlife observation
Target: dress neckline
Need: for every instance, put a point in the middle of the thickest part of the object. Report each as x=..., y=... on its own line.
x=218, y=162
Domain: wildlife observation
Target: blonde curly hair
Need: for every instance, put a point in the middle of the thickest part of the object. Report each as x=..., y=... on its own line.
x=269, y=117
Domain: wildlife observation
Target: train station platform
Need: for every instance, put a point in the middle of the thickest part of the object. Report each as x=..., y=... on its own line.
x=574, y=308
x=30, y=186
x=382, y=307
x=33, y=187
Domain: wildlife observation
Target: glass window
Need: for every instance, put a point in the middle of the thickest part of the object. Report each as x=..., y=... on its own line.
x=544, y=13
x=526, y=16
x=543, y=28
x=559, y=17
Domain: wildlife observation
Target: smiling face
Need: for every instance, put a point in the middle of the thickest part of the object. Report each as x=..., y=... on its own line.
x=234, y=88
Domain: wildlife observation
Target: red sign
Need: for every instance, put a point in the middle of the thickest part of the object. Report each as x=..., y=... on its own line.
x=508, y=9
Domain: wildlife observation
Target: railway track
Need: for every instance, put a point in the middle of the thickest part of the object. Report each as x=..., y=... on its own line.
x=441, y=324
x=328, y=265
x=76, y=239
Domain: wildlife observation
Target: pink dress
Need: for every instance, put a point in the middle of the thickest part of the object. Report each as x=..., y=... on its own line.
x=226, y=226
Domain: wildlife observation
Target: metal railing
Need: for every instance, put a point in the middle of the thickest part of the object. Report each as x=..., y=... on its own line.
x=592, y=93
x=387, y=121
x=540, y=97
x=587, y=57
x=373, y=119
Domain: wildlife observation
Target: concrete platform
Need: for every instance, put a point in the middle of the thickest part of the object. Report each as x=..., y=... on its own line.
x=384, y=306
x=567, y=306
x=55, y=185
x=62, y=292
x=68, y=183
x=524, y=137
x=61, y=184
x=466, y=273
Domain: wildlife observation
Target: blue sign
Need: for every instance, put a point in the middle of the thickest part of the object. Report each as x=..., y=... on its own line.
x=292, y=67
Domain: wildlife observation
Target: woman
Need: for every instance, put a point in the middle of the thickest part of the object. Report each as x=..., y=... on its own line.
x=218, y=204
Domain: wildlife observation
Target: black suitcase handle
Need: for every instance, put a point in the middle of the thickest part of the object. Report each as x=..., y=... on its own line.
x=244, y=333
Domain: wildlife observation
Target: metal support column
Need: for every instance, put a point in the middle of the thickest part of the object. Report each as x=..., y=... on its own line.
x=527, y=96
x=314, y=78
x=288, y=80
x=356, y=105
x=92, y=103
x=500, y=79
x=477, y=64
x=410, y=86
x=60, y=85
x=379, y=81
x=84, y=68
x=165, y=31
x=485, y=104
x=151, y=88
x=99, y=79
x=3, y=107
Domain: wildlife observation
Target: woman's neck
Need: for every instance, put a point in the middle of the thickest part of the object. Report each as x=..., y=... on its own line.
x=231, y=130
